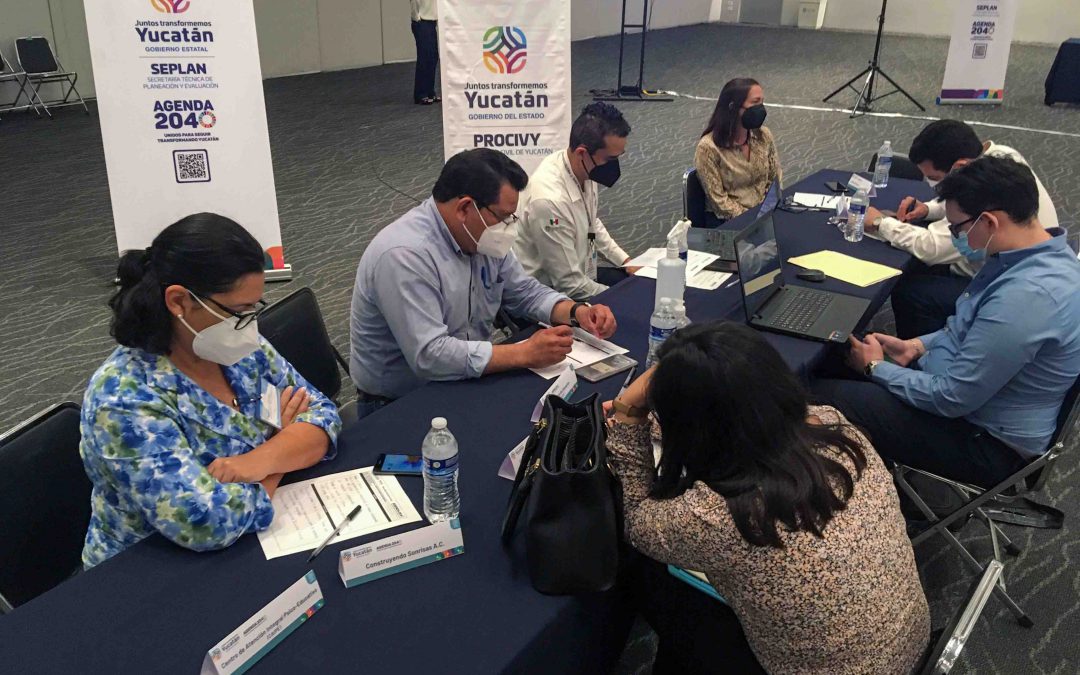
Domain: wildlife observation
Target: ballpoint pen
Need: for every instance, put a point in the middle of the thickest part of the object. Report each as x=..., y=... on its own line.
x=339, y=528
x=626, y=382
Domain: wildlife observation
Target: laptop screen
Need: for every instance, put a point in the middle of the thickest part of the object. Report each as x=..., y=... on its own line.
x=759, y=263
x=772, y=198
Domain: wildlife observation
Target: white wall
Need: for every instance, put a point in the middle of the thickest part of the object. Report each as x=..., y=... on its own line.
x=304, y=36
x=1041, y=21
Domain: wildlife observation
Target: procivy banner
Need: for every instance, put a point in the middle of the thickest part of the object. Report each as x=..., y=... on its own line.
x=505, y=77
x=978, y=51
x=183, y=121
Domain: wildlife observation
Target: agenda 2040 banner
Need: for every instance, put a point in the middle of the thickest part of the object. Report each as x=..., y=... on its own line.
x=505, y=77
x=978, y=51
x=180, y=96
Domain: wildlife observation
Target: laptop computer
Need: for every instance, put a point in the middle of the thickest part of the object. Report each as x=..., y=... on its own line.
x=770, y=305
x=721, y=242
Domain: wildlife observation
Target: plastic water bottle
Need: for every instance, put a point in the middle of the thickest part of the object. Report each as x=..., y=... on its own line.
x=853, y=230
x=440, y=450
x=681, y=320
x=670, y=274
x=661, y=326
x=884, y=163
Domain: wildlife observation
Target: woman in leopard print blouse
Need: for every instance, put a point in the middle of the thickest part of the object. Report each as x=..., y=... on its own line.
x=785, y=507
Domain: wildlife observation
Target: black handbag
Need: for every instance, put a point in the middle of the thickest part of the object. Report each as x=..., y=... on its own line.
x=568, y=501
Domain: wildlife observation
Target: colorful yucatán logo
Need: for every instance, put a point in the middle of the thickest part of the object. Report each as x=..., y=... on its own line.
x=171, y=6
x=504, y=49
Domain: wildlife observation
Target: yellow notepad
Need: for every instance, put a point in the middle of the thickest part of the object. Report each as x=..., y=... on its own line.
x=846, y=268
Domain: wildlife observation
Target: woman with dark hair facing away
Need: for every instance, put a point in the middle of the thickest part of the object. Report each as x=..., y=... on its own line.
x=736, y=156
x=182, y=432
x=785, y=507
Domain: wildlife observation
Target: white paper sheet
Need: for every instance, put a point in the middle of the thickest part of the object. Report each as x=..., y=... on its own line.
x=696, y=260
x=587, y=350
x=815, y=201
x=704, y=279
x=305, y=513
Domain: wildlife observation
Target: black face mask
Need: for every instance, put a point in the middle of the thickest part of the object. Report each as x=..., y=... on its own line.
x=606, y=174
x=754, y=116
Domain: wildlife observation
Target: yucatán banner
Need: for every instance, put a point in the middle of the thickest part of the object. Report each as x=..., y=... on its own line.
x=978, y=51
x=505, y=77
x=180, y=97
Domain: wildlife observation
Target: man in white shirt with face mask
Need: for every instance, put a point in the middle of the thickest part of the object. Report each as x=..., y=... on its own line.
x=926, y=296
x=562, y=235
x=430, y=283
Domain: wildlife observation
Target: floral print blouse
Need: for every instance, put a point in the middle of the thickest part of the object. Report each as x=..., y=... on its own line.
x=148, y=434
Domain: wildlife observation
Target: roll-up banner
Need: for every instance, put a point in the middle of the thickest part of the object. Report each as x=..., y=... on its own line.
x=978, y=51
x=183, y=121
x=505, y=77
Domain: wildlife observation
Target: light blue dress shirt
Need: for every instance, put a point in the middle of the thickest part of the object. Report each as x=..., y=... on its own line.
x=1011, y=351
x=423, y=309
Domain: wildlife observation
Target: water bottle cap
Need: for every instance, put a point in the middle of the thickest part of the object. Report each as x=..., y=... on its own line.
x=438, y=423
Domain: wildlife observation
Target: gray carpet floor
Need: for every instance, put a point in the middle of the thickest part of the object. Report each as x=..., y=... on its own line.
x=350, y=149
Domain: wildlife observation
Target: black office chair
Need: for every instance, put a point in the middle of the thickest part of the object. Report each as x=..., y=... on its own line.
x=41, y=66
x=902, y=167
x=1002, y=503
x=295, y=326
x=946, y=649
x=44, y=504
x=693, y=195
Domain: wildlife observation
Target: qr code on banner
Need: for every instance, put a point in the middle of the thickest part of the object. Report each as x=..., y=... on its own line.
x=192, y=166
x=978, y=51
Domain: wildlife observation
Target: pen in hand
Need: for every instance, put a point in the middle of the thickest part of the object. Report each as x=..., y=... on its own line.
x=339, y=528
x=627, y=381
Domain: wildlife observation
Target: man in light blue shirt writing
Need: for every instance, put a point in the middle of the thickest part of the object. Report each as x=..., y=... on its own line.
x=978, y=399
x=429, y=285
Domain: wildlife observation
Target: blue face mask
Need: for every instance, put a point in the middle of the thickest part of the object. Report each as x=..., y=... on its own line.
x=964, y=248
x=962, y=245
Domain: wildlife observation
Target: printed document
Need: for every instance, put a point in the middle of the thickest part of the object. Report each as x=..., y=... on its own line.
x=305, y=513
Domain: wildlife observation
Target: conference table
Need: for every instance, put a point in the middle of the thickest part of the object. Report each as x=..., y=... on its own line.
x=158, y=608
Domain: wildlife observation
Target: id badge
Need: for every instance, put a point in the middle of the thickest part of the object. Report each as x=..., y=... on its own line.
x=270, y=405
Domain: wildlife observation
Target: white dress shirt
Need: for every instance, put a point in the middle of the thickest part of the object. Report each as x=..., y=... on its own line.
x=558, y=217
x=933, y=245
x=425, y=10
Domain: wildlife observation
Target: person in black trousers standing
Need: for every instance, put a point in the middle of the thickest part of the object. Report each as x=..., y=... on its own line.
x=425, y=30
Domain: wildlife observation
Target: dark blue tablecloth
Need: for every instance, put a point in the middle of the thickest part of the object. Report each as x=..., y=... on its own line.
x=1063, y=80
x=158, y=608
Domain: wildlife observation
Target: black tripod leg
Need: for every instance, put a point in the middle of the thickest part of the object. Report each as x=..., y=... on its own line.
x=845, y=85
x=901, y=90
x=864, y=101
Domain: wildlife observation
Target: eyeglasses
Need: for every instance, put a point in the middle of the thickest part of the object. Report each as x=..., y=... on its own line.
x=511, y=219
x=954, y=228
x=243, y=319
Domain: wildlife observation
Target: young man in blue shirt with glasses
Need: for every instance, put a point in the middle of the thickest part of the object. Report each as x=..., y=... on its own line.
x=978, y=399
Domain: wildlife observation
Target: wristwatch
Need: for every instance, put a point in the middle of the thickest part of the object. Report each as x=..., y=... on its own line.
x=877, y=221
x=574, y=323
x=628, y=410
x=869, y=369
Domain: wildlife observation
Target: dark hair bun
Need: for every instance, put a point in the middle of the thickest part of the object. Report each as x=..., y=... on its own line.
x=132, y=267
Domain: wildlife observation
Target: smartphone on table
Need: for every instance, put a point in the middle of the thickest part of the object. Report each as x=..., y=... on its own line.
x=399, y=465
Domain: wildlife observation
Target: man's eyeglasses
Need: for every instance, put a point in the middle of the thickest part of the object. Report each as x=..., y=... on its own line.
x=243, y=319
x=511, y=219
x=954, y=228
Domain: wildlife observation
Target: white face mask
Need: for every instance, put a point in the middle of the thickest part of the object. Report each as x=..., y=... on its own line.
x=222, y=343
x=496, y=240
x=931, y=182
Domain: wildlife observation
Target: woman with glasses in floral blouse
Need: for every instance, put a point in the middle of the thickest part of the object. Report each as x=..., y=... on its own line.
x=181, y=432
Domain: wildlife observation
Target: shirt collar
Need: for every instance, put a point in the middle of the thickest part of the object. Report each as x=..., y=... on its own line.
x=1056, y=241
x=574, y=192
x=440, y=224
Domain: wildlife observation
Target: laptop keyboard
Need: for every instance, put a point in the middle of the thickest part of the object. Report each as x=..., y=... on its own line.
x=801, y=310
x=725, y=244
